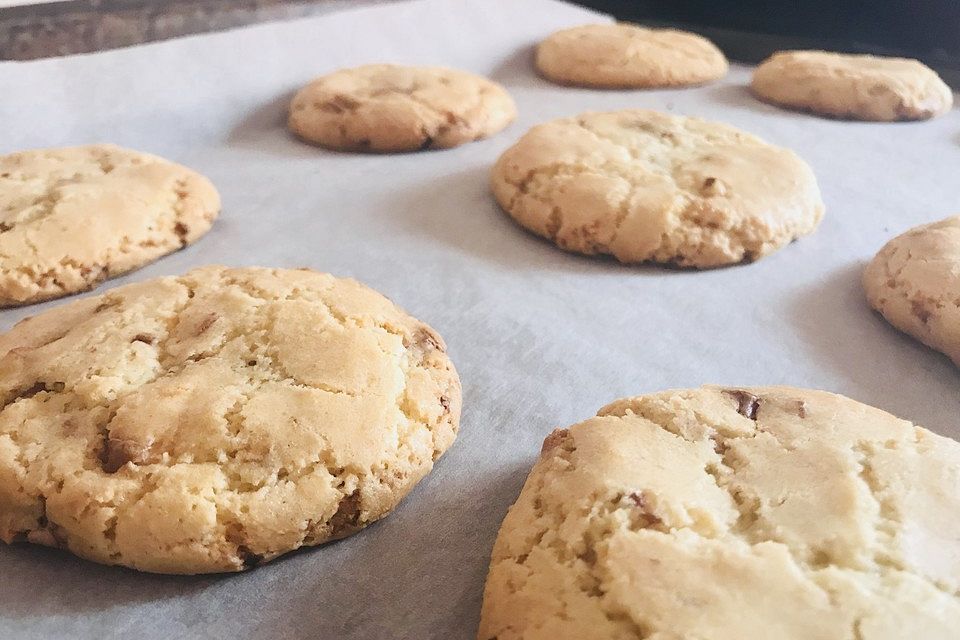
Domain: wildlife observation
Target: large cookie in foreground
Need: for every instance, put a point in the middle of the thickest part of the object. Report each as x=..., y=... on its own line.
x=726, y=514
x=216, y=420
x=73, y=217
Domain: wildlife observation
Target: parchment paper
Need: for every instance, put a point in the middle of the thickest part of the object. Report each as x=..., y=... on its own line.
x=542, y=338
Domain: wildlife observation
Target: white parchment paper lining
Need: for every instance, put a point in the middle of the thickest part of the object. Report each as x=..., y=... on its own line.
x=541, y=338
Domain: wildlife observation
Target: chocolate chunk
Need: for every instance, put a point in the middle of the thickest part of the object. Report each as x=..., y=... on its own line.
x=423, y=342
x=427, y=340
x=249, y=558
x=102, y=273
x=648, y=519
x=110, y=531
x=719, y=444
x=713, y=187
x=919, y=309
x=236, y=536
x=206, y=322
x=181, y=230
x=117, y=453
x=347, y=518
x=747, y=403
x=554, y=440
x=30, y=391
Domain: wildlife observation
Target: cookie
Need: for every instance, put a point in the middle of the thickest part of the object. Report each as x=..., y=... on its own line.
x=214, y=421
x=914, y=282
x=646, y=186
x=389, y=108
x=860, y=87
x=725, y=514
x=628, y=56
x=73, y=217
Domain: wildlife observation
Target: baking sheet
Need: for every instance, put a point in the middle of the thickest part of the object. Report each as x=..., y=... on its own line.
x=541, y=338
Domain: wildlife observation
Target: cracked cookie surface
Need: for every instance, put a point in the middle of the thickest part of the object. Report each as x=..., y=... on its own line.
x=776, y=513
x=644, y=186
x=73, y=217
x=213, y=421
x=392, y=108
x=914, y=282
x=862, y=87
x=625, y=56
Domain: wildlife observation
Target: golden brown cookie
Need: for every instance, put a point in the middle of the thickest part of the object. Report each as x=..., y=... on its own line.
x=387, y=107
x=628, y=56
x=914, y=282
x=852, y=86
x=217, y=420
x=728, y=514
x=646, y=186
x=73, y=217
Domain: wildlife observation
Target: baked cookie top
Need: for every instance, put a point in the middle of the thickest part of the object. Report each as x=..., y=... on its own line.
x=775, y=513
x=852, y=86
x=388, y=107
x=216, y=420
x=625, y=56
x=647, y=186
x=72, y=217
x=914, y=281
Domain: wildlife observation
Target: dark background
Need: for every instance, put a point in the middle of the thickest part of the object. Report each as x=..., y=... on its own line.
x=750, y=30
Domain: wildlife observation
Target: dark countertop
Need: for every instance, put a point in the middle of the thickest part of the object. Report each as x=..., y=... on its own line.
x=79, y=26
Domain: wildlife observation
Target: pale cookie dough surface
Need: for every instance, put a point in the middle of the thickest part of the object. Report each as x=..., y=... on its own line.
x=725, y=514
x=73, y=217
x=625, y=56
x=646, y=186
x=914, y=282
x=862, y=87
x=386, y=107
x=212, y=421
